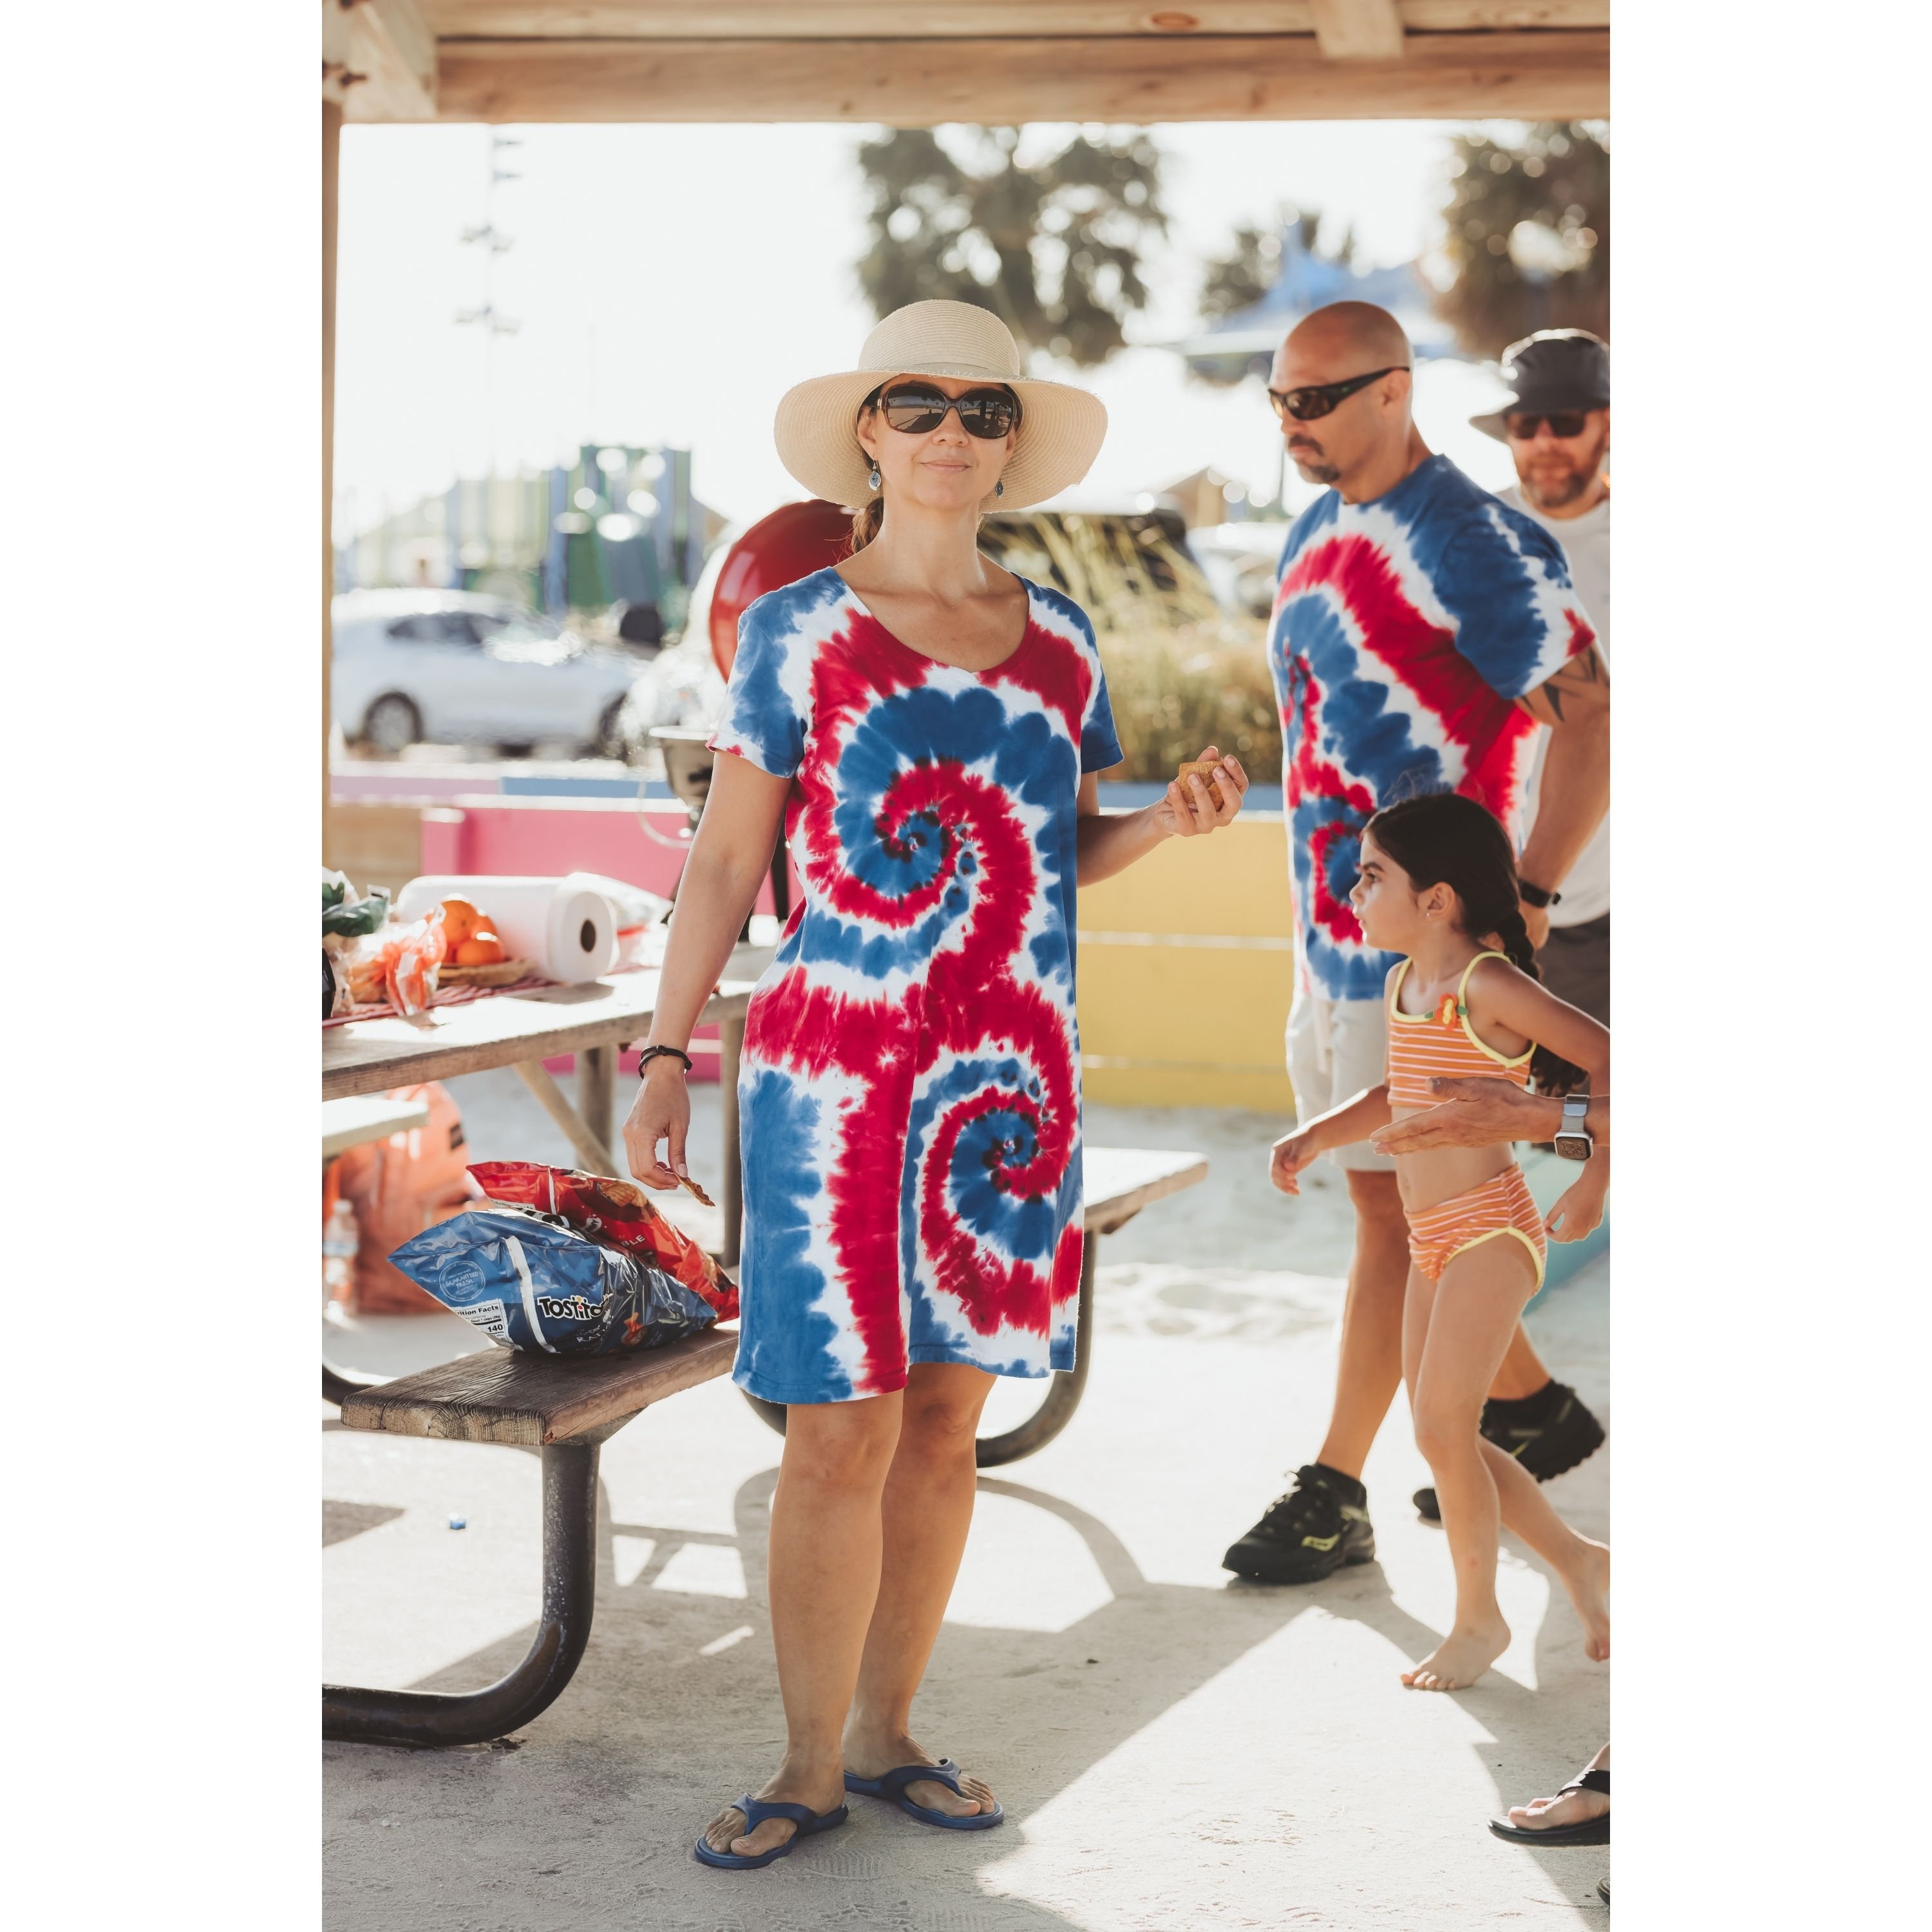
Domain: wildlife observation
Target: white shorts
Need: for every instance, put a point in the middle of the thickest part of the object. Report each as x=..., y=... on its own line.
x=1336, y=1048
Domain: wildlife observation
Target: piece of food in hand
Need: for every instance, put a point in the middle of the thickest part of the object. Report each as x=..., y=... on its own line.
x=1207, y=767
x=485, y=949
x=698, y=1193
x=462, y=921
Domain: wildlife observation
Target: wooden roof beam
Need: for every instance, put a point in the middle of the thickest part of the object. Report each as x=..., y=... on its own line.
x=968, y=20
x=1353, y=30
x=379, y=60
x=912, y=83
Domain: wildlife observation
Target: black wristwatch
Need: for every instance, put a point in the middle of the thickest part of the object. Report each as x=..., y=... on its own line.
x=651, y=1053
x=1536, y=896
x=1573, y=1141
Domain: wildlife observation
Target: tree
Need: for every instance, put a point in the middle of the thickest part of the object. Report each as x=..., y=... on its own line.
x=1527, y=234
x=1239, y=279
x=1053, y=247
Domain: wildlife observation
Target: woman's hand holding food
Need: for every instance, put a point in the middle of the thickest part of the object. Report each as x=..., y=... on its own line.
x=661, y=1112
x=1208, y=794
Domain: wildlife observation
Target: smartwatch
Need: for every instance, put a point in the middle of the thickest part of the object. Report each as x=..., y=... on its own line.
x=1573, y=1141
x=1535, y=895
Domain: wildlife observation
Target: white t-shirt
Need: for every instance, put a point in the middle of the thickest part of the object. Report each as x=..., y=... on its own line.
x=1586, y=543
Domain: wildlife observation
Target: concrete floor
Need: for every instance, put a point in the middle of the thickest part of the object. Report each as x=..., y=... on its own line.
x=1175, y=1749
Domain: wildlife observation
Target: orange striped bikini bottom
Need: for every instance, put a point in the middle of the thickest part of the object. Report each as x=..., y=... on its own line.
x=1501, y=1206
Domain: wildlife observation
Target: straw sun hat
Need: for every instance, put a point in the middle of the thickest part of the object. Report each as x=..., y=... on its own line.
x=1060, y=427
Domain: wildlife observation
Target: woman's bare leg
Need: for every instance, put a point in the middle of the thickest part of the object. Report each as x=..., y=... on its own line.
x=928, y=1511
x=824, y=1582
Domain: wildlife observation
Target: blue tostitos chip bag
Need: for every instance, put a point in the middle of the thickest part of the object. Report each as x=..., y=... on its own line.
x=529, y=1282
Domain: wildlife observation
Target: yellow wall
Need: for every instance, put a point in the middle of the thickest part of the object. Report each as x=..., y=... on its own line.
x=1186, y=969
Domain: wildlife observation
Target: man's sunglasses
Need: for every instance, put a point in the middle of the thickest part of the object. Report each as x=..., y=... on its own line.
x=1305, y=405
x=918, y=409
x=1563, y=423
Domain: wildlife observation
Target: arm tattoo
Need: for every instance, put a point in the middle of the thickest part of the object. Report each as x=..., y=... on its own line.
x=1586, y=668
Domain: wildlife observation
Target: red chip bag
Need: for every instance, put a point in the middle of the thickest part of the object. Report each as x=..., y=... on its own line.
x=612, y=1211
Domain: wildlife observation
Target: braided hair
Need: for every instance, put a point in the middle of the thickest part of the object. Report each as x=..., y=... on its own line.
x=1444, y=839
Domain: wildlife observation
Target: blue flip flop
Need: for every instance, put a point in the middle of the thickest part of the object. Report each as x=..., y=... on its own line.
x=891, y=1787
x=757, y=1811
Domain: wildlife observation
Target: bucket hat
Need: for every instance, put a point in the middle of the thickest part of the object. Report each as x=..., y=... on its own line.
x=1555, y=369
x=1061, y=430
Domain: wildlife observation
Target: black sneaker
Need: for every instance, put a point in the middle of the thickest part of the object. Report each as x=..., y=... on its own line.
x=1549, y=1433
x=1310, y=1533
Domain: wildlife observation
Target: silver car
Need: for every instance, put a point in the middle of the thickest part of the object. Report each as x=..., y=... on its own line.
x=455, y=667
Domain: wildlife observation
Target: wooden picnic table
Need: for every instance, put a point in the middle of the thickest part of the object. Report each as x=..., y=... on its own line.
x=596, y=1022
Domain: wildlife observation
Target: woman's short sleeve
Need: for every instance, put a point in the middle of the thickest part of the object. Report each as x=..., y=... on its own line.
x=1099, y=744
x=768, y=701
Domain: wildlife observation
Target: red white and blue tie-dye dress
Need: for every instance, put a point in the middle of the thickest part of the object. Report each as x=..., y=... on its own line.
x=910, y=1092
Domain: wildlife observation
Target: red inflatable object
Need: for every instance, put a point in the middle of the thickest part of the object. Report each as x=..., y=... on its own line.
x=792, y=542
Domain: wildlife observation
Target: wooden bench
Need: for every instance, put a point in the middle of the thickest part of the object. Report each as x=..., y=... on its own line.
x=566, y=1410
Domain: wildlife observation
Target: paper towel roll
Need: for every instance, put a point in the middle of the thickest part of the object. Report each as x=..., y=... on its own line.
x=565, y=927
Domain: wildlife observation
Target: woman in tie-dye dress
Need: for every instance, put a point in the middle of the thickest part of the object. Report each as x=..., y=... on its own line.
x=926, y=728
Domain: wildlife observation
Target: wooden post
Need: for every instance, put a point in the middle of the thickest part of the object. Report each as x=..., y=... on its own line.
x=597, y=1092
x=332, y=147
x=585, y=1143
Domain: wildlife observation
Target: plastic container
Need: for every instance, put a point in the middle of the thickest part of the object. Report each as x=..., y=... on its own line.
x=340, y=1237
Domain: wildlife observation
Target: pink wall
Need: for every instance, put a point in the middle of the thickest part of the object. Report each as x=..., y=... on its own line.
x=542, y=838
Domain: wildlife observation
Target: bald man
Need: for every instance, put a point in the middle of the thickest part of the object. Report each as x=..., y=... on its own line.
x=1422, y=630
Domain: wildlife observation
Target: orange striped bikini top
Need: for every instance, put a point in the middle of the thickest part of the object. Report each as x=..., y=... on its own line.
x=1442, y=1044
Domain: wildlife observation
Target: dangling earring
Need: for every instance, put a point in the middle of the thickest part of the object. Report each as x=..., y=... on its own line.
x=999, y=489
x=872, y=480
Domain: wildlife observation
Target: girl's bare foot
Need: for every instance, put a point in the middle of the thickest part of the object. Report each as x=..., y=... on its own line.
x=791, y=1785
x=872, y=1756
x=1588, y=1584
x=1460, y=1658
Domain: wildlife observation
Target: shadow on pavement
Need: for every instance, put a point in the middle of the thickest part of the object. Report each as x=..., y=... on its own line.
x=585, y=1819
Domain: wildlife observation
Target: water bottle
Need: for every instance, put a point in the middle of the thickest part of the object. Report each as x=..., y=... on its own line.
x=340, y=1237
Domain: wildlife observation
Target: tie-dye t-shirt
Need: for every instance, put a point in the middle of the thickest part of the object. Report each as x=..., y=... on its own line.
x=1403, y=629
x=909, y=1094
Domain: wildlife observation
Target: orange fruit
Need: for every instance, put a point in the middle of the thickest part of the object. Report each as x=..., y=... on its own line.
x=485, y=949
x=460, y=920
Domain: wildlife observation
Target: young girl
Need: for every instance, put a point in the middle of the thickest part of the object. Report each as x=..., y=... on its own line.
x=1439, y=885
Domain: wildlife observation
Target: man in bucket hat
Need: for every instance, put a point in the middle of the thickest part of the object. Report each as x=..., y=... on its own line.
x=1557, y=424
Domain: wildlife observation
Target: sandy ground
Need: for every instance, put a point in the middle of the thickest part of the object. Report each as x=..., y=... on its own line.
x=1175, y=1748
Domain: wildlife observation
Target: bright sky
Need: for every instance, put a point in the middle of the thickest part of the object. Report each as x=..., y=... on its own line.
x=671, y=282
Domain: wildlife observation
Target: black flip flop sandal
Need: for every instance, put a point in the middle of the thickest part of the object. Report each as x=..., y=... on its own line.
x=1591, y=1831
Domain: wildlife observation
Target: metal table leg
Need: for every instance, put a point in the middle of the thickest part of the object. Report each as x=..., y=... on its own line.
x=431, y=1717
x=1064, y=1387
x=336, y=1388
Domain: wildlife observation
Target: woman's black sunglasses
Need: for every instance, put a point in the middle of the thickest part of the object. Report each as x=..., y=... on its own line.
x=1306, y=404
x=917, y=409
